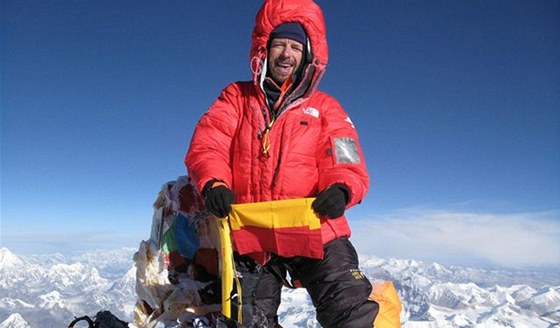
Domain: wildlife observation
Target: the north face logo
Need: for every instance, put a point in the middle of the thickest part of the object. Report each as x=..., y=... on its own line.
x=350, y=121
x=311, y=111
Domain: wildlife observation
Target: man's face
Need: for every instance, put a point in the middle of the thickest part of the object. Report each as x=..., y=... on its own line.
x=284, y=58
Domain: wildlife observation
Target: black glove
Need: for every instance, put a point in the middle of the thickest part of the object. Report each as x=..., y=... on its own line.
x=218, y=200
x=331, y=202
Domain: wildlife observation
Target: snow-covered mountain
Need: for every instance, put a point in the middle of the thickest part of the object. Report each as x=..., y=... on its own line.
x=48, y=291
x=14, y=321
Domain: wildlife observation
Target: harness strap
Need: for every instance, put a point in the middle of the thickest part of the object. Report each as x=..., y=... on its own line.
x=279, y=268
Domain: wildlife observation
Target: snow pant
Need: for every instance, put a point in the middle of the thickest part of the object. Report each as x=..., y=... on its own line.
x=338, y=289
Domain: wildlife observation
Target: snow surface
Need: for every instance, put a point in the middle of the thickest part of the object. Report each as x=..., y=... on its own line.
x=48, y=291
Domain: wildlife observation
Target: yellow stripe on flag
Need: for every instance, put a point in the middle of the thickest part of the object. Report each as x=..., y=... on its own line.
x=288, y=213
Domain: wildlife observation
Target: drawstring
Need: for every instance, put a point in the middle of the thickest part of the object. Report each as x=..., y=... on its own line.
x=283, y=89
x=256, y=67
x=257, y=63
x=266, y=136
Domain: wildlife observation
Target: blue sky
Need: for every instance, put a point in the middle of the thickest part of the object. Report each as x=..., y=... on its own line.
x=457, y=104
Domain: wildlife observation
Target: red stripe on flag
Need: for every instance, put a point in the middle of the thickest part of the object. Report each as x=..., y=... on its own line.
x=286, y=242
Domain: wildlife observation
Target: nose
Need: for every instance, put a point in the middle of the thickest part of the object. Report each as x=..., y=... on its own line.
x=287, y=51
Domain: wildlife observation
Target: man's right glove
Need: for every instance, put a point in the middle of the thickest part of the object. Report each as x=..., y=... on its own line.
x=331, y=202
x=218, y=200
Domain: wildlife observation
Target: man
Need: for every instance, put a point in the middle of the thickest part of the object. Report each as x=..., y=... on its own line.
x=277, y=137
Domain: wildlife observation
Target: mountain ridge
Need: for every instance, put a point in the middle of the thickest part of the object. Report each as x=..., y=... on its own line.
x=47, y=292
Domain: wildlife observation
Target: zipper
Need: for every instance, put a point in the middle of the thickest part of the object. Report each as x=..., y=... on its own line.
x=304, y=83
x=272, y=117
x=278, y=164
x=276, y=170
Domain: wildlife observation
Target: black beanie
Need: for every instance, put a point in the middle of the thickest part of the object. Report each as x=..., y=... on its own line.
x=292, y=31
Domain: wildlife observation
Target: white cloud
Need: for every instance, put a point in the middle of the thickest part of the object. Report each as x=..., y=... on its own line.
x=76, y=241
x=512, y=240
x=447, y=236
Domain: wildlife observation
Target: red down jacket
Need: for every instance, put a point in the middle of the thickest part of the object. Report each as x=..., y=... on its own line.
x=313, y=143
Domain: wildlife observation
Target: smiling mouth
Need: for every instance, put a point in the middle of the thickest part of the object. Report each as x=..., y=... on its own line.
x=284, y=67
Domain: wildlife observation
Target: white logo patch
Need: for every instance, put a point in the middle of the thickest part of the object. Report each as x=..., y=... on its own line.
x=311, y=111
x=350, y=121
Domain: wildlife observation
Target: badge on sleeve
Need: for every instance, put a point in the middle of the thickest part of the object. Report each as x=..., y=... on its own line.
x=346, y=151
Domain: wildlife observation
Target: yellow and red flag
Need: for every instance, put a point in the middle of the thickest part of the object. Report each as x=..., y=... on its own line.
x=285, y=227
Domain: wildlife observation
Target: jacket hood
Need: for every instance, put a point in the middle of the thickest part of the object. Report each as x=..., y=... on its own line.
x=276, y=12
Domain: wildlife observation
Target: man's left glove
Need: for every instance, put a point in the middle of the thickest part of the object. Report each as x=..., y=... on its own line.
x=218, y=200
x=332, y=201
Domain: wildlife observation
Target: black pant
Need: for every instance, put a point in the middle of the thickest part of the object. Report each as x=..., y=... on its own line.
x=338, y=289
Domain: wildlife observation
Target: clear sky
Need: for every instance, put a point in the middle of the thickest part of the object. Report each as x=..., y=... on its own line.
x=457, y=104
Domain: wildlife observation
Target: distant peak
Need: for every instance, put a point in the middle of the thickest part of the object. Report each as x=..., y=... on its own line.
x=8, y=259
x=15, y=320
